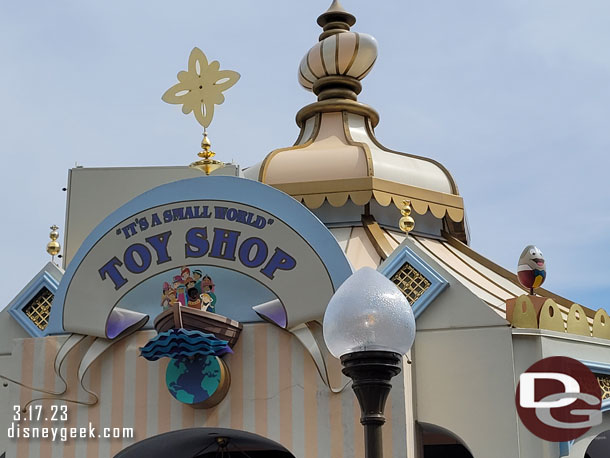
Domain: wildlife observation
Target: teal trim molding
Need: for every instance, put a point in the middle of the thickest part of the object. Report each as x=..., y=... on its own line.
x=403, y=254
x=43, y=279
x=564, y=448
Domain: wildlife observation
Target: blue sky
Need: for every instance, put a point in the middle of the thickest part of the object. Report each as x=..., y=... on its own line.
x=513, y=97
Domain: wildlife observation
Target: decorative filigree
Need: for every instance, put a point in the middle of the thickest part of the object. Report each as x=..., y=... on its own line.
x=201, y=87
x=604, y=384
x=39, y=308
x=412, y=283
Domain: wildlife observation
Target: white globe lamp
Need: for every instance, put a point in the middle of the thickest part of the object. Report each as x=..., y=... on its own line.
x=369, y=325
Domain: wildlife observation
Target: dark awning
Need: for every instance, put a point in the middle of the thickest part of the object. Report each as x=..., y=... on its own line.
x=204, y=443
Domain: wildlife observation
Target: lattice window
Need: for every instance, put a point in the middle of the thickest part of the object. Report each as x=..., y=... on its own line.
x=410, y=282
x=604, y=384
x=39, y=308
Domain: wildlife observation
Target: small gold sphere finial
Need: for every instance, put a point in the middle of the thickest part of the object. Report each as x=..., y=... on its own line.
x=53, y=247
x=206, y=164
x=406, y=223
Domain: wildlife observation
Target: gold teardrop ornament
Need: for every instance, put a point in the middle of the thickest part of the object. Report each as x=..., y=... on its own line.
x=406, y=223
x=207, y=164
x=53, y=247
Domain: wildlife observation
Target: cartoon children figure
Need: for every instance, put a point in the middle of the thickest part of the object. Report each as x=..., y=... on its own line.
x=173, y=301
x=190, y=283
x=165, y=297
x=197, y=277
x=185, y=273
x=208, y=298
x=181, y=295
x=194, y=299
x=177, y=282
x=196, y=291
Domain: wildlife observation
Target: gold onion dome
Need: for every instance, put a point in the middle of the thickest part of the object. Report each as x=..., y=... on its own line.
x=337, y=157
x=333, y=68
x=341, y=57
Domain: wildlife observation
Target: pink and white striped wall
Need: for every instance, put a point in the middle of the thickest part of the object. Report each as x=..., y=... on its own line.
x=275, y=392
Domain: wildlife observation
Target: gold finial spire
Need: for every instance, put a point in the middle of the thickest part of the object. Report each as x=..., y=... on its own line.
x=406, y=223
x=199, y=90
x=333, y=68
x=206, y=164
x=53, y=247
x=335, y=20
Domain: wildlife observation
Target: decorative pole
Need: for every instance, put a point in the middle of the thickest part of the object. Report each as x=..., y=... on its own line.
x=371, y=372
x=199, y=90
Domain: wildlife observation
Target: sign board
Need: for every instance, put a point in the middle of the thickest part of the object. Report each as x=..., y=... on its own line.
x=226, y=222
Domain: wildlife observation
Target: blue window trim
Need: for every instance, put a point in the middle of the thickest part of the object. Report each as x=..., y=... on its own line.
x=564, y=448
x=15, y=309
x=405, y=254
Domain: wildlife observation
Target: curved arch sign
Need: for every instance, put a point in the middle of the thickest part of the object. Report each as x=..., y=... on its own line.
x=228, y=222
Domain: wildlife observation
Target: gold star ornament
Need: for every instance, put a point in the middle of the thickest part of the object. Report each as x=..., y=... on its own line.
x=200, y=88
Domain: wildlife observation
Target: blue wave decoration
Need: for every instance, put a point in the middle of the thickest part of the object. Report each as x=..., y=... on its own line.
x=177, y=343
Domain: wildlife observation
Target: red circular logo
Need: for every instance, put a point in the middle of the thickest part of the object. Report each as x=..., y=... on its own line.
x=558, y=399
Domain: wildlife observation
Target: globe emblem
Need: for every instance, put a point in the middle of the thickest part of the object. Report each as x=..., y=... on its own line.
x=201, y=382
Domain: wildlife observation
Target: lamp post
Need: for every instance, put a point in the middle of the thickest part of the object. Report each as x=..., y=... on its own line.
x=369, y=325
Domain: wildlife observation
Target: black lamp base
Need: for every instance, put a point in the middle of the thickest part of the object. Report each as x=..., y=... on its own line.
x=371, y=372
